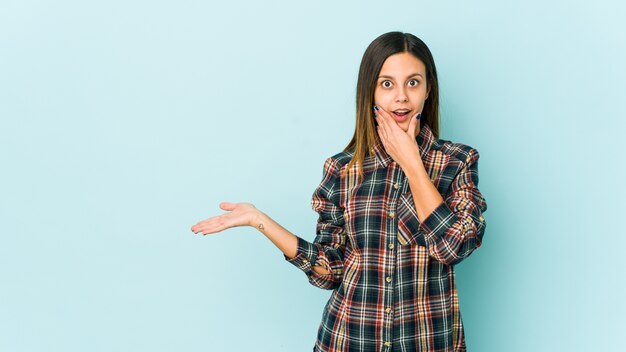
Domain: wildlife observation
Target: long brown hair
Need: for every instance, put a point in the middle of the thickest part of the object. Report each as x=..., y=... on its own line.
x=365, y=136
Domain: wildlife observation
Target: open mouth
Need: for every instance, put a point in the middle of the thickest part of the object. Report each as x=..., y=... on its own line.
x=401, y=113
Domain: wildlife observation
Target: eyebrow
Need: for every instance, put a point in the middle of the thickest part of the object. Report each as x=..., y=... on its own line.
x=413, y=75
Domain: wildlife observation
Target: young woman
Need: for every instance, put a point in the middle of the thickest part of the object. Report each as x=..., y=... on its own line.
x=398, y=208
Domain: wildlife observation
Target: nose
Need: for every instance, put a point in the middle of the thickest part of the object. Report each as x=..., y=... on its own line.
x=402, y=97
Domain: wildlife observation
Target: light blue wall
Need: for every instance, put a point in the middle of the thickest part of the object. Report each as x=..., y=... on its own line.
x=122, y=123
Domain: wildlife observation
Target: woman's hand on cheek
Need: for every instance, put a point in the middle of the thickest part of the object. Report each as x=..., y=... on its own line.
x=400, y=145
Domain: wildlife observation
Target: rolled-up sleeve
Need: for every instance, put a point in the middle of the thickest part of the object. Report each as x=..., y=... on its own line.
x=456, y=227
x=327, y=250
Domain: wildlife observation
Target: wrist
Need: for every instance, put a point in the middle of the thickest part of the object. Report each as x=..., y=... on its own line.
x=412, y=161
x=259, y=220
x=416, y=170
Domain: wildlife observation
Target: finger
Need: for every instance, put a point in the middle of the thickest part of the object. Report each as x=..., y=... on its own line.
x=201, y=222
x=382, y=115
x=196, y=228
x=207, y=222
x=383, y=120
x=199, y=227
x=213, y=226
x=413, y=125
x=381, y=129
x=228, y=206
x=392, y=124
x=224, y=206
x=207, y=230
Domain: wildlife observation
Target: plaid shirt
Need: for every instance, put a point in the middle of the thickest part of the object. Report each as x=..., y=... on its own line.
x=392, y=275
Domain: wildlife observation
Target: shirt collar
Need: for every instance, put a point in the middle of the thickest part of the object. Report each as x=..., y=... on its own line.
x=425, y=140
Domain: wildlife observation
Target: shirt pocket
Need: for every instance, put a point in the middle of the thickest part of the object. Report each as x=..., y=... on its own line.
x=408, y=222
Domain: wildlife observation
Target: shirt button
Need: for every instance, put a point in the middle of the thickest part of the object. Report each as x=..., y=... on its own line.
x=396, y=185
x=391, y=246
x=392, y=214
x=305, y=261
x=387, y=344
x=388, y=310
x=388, y=279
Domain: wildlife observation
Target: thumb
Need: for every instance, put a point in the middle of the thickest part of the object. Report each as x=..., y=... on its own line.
x=413, y=125
x=227, y=206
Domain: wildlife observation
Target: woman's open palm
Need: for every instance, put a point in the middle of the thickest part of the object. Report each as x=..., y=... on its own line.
x=238, y=214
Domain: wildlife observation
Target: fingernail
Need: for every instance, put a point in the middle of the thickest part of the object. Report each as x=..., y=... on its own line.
x=418, y=116
x=376, y=108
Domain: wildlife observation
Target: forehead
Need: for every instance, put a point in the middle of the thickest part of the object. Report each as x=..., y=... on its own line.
x=402, y=65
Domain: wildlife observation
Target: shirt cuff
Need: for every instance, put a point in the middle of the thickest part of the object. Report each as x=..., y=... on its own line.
x=435, y=226
x=306, y=254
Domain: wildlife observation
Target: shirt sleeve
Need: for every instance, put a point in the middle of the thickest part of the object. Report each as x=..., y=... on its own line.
x=327, y=250
x=456, y=227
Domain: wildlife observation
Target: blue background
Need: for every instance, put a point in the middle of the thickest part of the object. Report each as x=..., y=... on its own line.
x=123, y=123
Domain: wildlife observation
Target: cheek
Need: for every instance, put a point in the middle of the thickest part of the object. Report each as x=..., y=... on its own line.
x=381, y=98
x=419, y=98
x=419, y=95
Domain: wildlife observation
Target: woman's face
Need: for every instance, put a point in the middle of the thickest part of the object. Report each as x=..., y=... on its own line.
x=401, y=88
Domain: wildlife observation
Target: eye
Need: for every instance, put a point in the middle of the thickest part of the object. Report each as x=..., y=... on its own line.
x=413, y=83
x=387, y=84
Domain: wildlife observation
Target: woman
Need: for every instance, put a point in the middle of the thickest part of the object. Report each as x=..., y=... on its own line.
x=398, y=208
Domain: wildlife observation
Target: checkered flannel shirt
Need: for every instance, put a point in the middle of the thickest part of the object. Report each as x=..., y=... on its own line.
x=391, y=273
